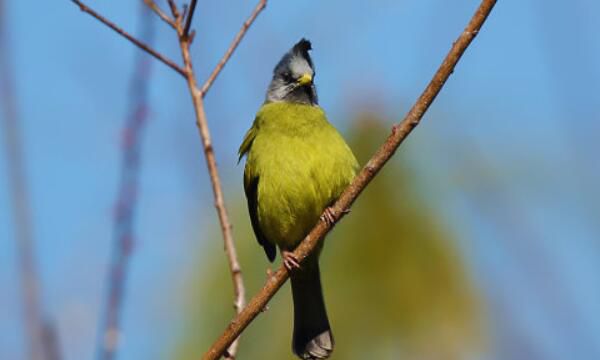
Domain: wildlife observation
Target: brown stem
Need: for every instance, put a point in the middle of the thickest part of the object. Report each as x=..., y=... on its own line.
x=197, y=99
x=364, y=177
x=202, y=124
x=234, y=44
x=129, y=37
x=161, y=14
x=188, y=20
x=174, y=10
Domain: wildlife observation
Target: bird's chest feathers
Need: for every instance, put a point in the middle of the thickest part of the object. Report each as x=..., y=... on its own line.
x=295, y=159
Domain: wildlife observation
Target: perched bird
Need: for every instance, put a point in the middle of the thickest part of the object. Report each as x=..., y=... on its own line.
x=297, y=165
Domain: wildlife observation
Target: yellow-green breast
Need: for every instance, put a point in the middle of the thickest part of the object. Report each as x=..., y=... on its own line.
x=299, y=164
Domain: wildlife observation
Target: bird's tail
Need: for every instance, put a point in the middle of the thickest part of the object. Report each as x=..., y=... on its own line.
x=312, y=337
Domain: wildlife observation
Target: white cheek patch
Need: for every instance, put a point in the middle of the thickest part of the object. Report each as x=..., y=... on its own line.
x=299, y=66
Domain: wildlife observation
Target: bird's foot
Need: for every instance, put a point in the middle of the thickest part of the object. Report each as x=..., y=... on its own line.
x=328, y=216
x=289, y=260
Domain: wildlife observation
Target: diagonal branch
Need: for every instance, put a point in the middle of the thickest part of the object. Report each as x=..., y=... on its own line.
x=364, y=177
x=129, y=37
x=234, y=44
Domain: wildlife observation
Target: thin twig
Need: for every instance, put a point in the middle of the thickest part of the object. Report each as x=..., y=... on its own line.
x=135, y=41
x=202, y=124
x=364, y=177
x=234, y=44
x=161, y=14
x=174, y=10
x=126, y=202
x=188, y=18
x=20, y=203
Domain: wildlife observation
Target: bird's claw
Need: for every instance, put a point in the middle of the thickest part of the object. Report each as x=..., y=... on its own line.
x=290, y=261
x=328, y=216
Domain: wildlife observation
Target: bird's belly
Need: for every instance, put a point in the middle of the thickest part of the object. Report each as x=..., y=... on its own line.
x=291, y=198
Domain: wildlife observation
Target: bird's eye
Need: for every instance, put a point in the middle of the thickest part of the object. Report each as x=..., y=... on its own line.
x=287, y=77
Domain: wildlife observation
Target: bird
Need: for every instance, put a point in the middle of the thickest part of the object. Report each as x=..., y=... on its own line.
x=297, y=165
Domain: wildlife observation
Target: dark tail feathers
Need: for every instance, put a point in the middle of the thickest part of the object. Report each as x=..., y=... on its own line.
x=312, y=337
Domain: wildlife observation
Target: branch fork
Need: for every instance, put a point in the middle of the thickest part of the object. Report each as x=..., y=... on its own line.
x=181, y=23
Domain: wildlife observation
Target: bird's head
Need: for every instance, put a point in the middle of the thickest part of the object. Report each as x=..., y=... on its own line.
x=293, y=77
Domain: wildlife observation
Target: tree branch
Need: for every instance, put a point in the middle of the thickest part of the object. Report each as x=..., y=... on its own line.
x=364, y=177
x=126, y=202
x=135, y=41
x=188, y=21
x=174, y=10
x=161, y=14
x=202, y=124
x=197, y=95
x=29, y=281
x=234, y=44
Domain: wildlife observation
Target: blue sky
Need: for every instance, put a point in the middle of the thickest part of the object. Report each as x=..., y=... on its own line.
x=524, y=98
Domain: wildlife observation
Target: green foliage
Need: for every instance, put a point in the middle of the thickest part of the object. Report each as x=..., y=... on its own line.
x=394, y=284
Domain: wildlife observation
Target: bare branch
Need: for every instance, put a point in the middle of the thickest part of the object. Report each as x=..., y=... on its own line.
x=127, y=196
x=234, y=44
x=188, y=19
x=29, y=282
x=174, y=10
x=161, y=14
x=201, y=122
x=197, y=98
x=135, y=41
x=364, y=177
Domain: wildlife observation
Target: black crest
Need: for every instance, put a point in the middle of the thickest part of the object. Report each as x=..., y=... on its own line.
x=302, y=48
x=285, y=85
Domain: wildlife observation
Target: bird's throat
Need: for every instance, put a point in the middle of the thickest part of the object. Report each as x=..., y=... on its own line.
x=302, y=95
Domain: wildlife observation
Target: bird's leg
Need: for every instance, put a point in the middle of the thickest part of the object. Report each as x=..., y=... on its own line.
x=328, y=216
x=289, y=260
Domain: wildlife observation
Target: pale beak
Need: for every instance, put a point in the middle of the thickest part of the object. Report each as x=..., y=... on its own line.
x=305, y=79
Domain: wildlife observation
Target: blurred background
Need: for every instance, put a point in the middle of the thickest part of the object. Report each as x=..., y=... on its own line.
x=479, y=240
